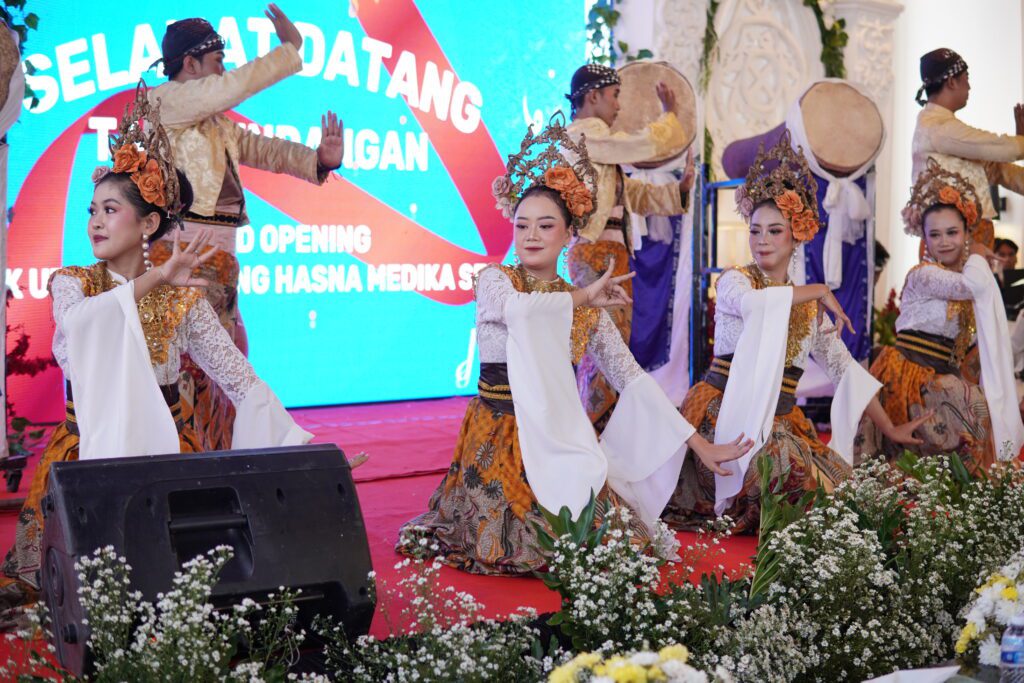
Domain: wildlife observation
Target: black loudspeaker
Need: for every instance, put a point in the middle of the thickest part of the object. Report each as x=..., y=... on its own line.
x=291, y=515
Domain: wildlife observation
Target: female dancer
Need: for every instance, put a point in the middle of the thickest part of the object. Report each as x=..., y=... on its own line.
x=765, y=328
x=945, y=301
x=121, y=328
x=526, y=441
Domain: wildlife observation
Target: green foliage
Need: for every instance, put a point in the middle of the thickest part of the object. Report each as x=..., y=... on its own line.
x=604, y=48
x=777, y=513
x=833, y=39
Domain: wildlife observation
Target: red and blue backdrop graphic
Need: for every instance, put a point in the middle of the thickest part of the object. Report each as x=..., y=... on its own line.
x=356, y=291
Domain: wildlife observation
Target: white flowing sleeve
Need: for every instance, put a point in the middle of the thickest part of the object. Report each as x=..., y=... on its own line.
x=855, y=387
x=752, y=390
x=563, y=462
x=260, y=419
x=996, y=357
x=645, y=439
x=118, y=404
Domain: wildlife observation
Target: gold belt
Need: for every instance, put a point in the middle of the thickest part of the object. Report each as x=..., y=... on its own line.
x=929, y=348
x=497, y=392
x=722, y=368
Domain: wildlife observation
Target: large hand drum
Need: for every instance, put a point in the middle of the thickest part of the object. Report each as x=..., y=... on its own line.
x=640, y=104
x=844, y=130
x=843, y=126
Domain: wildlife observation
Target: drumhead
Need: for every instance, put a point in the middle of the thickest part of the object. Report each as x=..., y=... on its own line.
x=844, y=127
x=639, y=103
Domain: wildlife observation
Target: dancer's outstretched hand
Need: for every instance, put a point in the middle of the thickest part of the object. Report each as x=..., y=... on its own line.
x=712, y=454
x=286, y=31
x=830, y=302
x=177, y=270
x=606, y=290
x=904, y=433
x=332, y=142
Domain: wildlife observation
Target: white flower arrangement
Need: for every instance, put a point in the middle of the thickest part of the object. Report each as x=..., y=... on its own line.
x=997, y=599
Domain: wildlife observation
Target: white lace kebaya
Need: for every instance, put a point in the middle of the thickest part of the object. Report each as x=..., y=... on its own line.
x=100, y=345
x=641, y=450
x=754, y=325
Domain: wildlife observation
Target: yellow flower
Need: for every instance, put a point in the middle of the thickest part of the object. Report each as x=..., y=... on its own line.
x=677, y=652
x=655, y=673
x=586, y=659
x=961, y=647
x=564, y=674
x=994, y=580
x=629, y=673
x=1009, y=593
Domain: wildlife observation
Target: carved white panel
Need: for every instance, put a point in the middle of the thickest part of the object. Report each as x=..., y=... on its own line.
x=868, y=57
x=768, y=51
x=679, y=36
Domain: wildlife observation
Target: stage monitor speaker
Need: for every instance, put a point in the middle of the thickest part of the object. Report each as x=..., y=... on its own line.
x=290, y=514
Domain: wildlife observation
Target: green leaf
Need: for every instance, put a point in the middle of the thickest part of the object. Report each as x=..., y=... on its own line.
x=19, y=424
x=32, y=21
x=587, y=516
x=565, y=521
x=644, y=54
x=543, y=540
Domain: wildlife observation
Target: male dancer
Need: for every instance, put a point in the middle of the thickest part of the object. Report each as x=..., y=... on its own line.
x=208, y=148
x=983, y=158
x=594, y=98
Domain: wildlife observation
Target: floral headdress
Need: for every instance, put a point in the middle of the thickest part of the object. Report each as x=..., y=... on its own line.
x=938, y=185
x=547, y=159
x=782, y=175
x=140, y=148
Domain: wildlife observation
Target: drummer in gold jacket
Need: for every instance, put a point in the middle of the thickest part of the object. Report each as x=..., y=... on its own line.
x=606, y=238
x=208, y=148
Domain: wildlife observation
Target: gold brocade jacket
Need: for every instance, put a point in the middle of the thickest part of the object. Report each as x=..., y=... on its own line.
x=983, y=158
x=208, y=145
x=608, y=150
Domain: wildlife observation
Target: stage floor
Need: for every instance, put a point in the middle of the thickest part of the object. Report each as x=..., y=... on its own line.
x=410, y=445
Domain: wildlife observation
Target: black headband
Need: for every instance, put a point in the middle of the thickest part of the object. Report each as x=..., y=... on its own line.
x=592, y=77
x=936, y=67
x=188, y=38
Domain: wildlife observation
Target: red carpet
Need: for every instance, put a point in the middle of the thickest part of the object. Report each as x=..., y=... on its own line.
x=410, y=444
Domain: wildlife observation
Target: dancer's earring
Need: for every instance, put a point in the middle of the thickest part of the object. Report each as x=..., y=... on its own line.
x=966, y=252
x=145, y=252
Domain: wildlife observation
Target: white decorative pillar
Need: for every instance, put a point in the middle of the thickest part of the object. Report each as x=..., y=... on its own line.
x=869, y=60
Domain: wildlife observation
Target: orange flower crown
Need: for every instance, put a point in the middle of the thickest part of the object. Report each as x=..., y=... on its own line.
x=782, y=175
x=938, y=185
x=140, y=148
x=553, y=159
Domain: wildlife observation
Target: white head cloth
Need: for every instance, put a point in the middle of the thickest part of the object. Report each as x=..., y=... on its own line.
x=847, y=207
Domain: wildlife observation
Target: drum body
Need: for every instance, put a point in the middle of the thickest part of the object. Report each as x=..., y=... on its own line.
x=639, y=103
x=844, y=129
